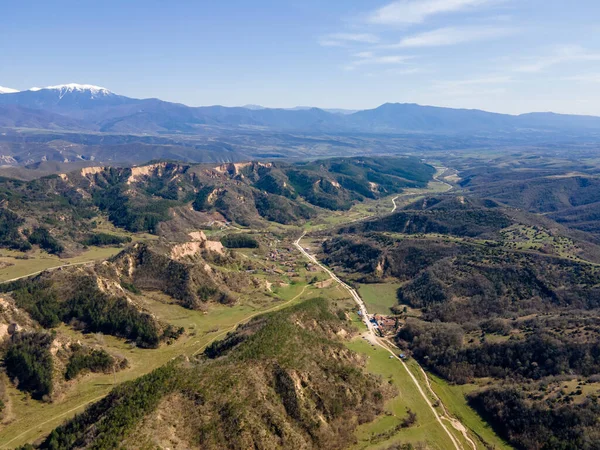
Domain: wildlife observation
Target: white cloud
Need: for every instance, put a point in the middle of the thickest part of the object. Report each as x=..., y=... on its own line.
x=400, y=72
x=342, y=39
x=416, y=11
x=470, y=92
x=409, y=71
x=368, y=58
x=388, y=59
x=364, y=55
x=493, y=79
x=452, y=36
x=562, y=54
x=585, y=78
x=482, y=86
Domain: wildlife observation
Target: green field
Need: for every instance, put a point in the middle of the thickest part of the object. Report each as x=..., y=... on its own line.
x=15, y=264
x=453, y=397
x=38, y=261
x=379, y=298
x=427, y=429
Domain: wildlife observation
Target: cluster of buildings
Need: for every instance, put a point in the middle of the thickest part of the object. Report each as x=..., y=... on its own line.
x=385, y=324
x=286, y=262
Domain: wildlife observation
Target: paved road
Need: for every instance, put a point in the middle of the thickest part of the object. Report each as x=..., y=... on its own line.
x=375, y=339
x=353, y=293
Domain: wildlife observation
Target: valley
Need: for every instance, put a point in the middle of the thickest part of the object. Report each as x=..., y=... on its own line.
x=205, y=327
x=210, y=281
x=393, y=244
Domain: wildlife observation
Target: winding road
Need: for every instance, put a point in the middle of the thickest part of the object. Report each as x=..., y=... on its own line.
x=376, y=340
x=440, y=171
x=386, y=344
x=372, y=335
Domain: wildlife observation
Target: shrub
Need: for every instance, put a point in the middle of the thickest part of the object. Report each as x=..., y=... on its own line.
x=29, y=361
x=42, y=237
x=239, y=241
x=83, y=360
x=9, y=231
x=102, y=239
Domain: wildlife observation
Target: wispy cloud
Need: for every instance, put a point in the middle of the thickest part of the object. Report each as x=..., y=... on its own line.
x=585, y=78
x=369, y=58
x=342, y=39
x=399, y=72
x=485, y=85
x=416, y=11
x=452, y=36
x=364, y=55
x=480, y=81
x=562, y=54
x=470, y=92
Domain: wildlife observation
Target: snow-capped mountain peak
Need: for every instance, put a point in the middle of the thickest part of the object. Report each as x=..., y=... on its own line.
x=5, y=90
x=95, y=91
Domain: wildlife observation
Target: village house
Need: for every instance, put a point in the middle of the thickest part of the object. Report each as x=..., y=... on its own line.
x=385, y=324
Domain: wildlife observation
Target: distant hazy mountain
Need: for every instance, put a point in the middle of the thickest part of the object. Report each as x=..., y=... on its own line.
x=392, y=117
x=304, y=108
x=329, y=110
x=98, y=109
x=13, y=116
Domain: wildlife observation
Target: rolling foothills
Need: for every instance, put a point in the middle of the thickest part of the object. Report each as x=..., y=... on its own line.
x=165, y=305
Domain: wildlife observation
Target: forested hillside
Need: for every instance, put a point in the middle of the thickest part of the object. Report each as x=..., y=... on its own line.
x=60, y=213
x=281, y=381
x=569, y=198
x=490, y=293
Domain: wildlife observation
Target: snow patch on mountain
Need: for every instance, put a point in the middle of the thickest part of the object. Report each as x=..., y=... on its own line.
x=74, y=87
x=5, y=90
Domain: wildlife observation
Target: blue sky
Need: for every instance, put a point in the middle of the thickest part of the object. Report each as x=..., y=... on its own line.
x=501, y=55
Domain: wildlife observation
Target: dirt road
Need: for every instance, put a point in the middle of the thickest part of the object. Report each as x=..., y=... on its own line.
x=48, y=270
x=394, y=202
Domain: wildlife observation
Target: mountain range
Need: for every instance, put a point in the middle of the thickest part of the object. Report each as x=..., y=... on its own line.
x=76, y=107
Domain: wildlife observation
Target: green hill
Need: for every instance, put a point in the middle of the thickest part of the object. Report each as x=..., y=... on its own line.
x=285, y=380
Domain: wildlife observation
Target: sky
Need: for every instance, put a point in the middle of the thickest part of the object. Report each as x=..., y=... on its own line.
x=510, y=56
